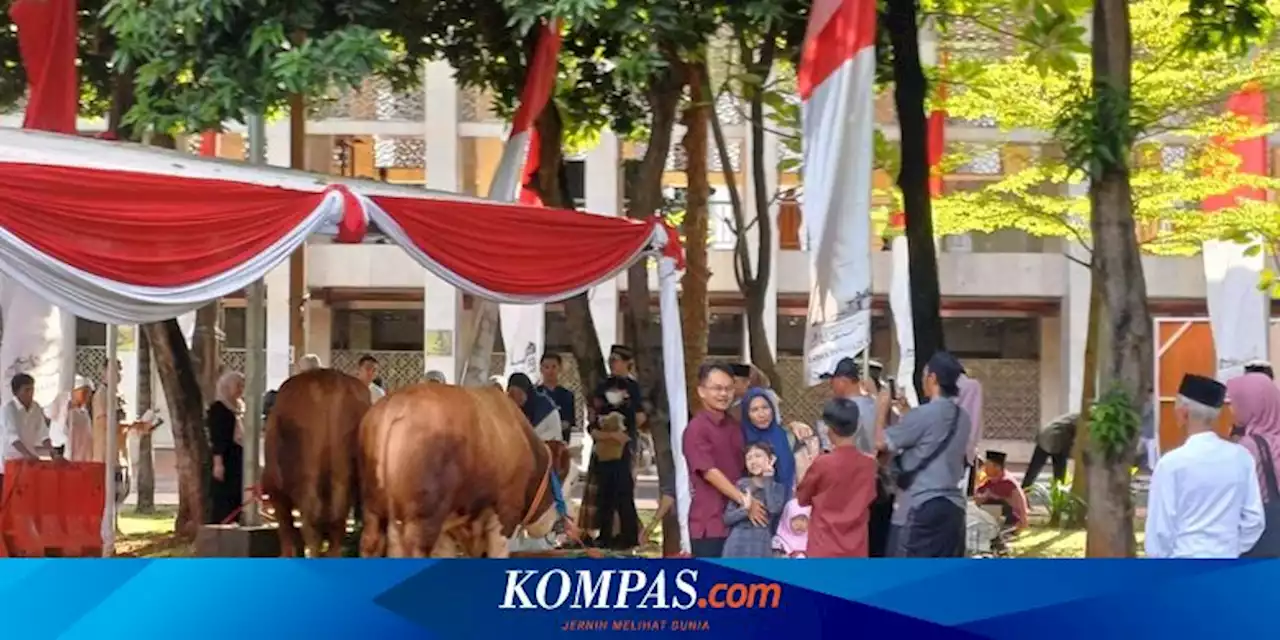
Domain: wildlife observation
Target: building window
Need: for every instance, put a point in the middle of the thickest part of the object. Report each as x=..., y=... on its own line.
x=90, y=333
x=725, y=335
x=377, y=329
x=575, y=174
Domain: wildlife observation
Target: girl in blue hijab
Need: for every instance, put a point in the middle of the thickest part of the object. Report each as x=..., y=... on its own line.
x=760, y=423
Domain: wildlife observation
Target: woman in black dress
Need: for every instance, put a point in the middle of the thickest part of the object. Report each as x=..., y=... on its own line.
x=225, y=439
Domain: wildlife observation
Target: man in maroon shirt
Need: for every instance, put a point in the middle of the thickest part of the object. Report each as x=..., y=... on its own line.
x=713, y=449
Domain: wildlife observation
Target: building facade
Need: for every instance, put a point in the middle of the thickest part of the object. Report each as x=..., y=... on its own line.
x=1014, y=306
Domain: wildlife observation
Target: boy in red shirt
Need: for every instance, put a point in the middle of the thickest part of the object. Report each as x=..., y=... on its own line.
x=840, y=486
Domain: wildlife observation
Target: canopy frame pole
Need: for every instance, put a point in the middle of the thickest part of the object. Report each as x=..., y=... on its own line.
x=255, y=357
x=112, y=453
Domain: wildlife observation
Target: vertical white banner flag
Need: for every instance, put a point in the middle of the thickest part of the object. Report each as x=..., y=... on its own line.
x=836, y=80
x=523, y=326
x=1238, y=310
x=34, y=341
x=900, y=304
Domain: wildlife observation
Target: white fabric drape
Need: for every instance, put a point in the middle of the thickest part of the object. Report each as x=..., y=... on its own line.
x=97, y=298
x=1239, y=312
x=900, y=304
x=673, y=365
x=838, y=120
x=34, y=341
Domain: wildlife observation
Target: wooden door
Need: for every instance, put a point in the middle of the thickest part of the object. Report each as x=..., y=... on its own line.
x=1183, y=346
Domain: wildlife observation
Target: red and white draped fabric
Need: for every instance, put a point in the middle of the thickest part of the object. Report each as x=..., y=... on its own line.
x=123, y=234
x=837, y=72
x=39, y=338
x=523, y=326
x=1239, y=313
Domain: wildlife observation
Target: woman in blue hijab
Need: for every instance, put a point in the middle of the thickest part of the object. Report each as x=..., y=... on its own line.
x=760, y=423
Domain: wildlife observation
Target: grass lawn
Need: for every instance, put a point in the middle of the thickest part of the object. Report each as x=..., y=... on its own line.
x=149, y=535
x=1052, y=542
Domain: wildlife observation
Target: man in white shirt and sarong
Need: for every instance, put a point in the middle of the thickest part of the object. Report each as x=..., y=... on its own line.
x=1204, y=500
x=70, y=424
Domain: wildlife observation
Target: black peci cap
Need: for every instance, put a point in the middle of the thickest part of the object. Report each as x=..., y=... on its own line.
x=1206, y=391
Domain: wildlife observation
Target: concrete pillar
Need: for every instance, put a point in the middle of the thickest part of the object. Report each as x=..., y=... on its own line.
x=280, y=356
x=753, y=240
x=442, y=303
x=320, y=338
x=604, y=197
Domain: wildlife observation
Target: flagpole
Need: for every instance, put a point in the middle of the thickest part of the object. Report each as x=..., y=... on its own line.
x=112, y=453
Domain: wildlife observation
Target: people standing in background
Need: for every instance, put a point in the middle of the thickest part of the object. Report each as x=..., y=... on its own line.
x=840, y=487
x=1053, y=442
x=970, y=399
x=367, y=372
x=309, y=362
x=226, y=442
x=741, y=382
x=538, y=407
x=101, y=403
x=549, y=367
x=713, y=452
x=1204, y=499
x=846, y=382
x=70, y=425
x=1147, y=434
x=1255, y=402
x=750, y=537
x=928, y=447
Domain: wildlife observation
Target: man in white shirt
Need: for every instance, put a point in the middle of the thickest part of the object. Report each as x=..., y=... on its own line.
x=366, y=371
x=1204, y=500
x=22, y=424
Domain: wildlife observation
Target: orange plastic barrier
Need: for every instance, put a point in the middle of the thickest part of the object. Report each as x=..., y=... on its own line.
x=51, y=509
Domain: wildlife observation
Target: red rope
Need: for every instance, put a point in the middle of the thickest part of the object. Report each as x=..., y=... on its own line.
x=255, y=495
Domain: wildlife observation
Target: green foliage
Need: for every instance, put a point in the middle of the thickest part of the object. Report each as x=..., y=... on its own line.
x=1113, y=424
x=200, y=63
x=1232, y=26
x=1064, y=506
x=1176, y=93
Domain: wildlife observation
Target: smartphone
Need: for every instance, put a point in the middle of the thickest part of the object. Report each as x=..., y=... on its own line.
x=893, y=388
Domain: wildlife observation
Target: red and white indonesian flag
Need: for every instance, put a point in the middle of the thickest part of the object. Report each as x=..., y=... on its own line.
x=837, y=73
x=1239, y=312
x=523, y=326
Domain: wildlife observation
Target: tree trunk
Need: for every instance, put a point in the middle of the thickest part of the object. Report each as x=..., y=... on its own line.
x=206, y=349
x=146, y=466
x=693, y=285
x=186, y=411
x=645, y=193
x=1088, y=391
x=909, y=91
x=554, y=191
x=1126, y=360
x=762, y=353
x=122, y=100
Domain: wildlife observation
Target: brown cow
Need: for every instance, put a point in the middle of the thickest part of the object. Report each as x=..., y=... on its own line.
x=450, y=471
x=311, y=449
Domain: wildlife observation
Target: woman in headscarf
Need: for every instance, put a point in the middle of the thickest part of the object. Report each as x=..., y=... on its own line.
x=760, y=424
x=537, y=407
x=226, y=439
x=1255, y=402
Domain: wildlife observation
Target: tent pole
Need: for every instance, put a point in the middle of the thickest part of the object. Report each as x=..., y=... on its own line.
x=255, y=357
x=112, y=452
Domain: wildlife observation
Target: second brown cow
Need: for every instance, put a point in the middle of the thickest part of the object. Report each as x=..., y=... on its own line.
x=449, y=471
